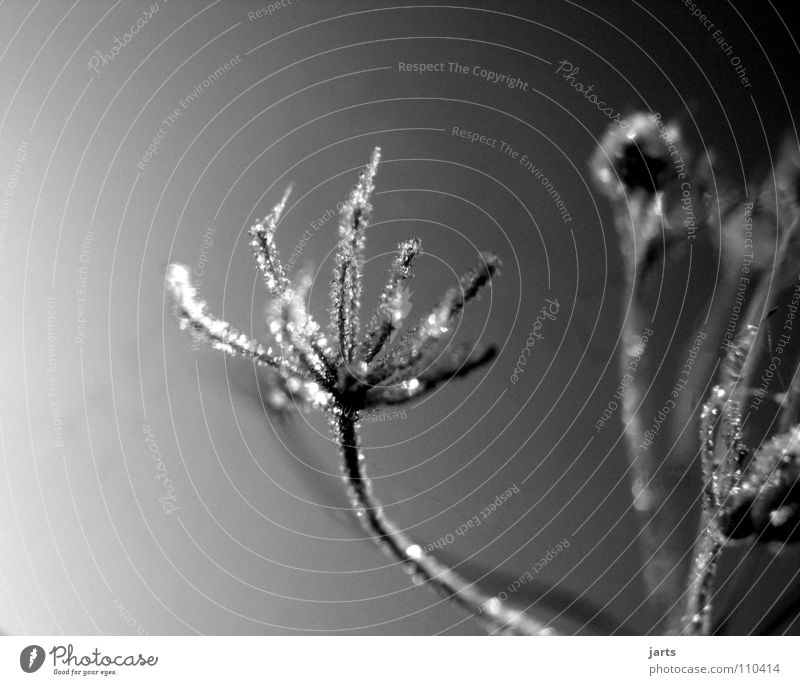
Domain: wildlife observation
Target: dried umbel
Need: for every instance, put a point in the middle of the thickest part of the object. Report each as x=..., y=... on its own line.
x=345, y=372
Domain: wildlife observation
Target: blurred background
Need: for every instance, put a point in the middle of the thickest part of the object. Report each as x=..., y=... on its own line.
x=144, y=486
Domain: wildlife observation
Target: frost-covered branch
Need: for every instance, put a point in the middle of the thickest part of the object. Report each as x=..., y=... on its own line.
x=343, y=375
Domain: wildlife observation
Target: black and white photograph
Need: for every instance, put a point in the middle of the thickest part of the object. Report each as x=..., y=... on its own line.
x=377, y=328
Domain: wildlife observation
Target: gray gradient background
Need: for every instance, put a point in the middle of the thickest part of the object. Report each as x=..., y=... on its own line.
x=263, y=541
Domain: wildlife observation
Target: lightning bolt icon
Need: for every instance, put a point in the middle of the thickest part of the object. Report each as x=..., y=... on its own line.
x=32, y=657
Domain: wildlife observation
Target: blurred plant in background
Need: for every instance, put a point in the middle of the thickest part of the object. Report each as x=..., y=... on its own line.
x=716, y=273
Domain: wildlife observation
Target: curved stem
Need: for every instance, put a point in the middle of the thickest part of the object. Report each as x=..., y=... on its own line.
x=697, y=620
x=722, y=455
x=423, y=567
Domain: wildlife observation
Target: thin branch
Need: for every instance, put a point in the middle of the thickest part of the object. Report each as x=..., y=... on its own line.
x=346, y=286
x=460, y=364
x=435, y=330
x=266, y=252
x=219, y=334
x=722, y=464
x=423, y=567
x=297, y=330
x=701, y=586
x=388, y=314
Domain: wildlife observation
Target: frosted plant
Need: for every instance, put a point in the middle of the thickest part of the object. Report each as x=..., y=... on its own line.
x=708, y=269
x=746, y=495
x=345, y=372
x=693, y=276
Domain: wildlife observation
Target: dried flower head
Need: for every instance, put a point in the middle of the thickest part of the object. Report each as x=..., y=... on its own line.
x=345, y=372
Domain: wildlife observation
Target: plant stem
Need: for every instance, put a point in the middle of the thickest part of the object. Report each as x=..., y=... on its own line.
x=423, y=567
x=697, y=620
